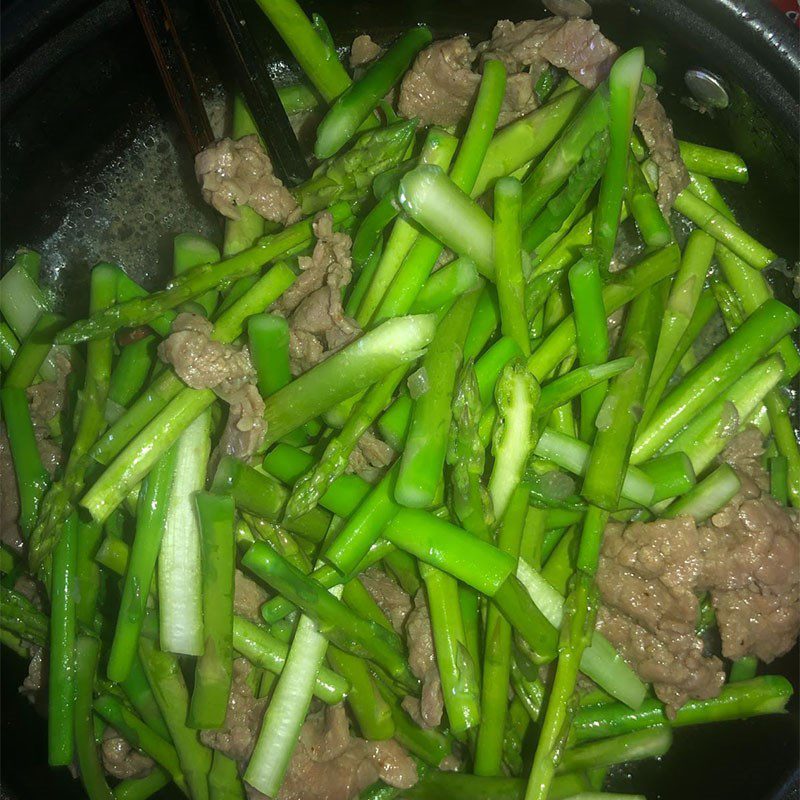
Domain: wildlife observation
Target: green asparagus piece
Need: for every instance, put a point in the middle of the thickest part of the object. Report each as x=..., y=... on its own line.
x=32, y=478
x=224, y=782
x=9, y=344
x=507, y=252
x=90, y=422
x=142, y=788
x=516, y=395
x=497, y=652
x=591, y=334
x=726, y=364
x=713, y=163
x=708, y=497
x=21, y=300
x=648, y=743
x=349, y=175
x=613, y=441
x=268, y=338
x=353, y=368
x=653, y=227
x=33, y=351
x=339, y=624
x=623, y=91
x=63, y=625
x=313, y=54
x=214, y=669
x=354, y=105
x=446, y=285
x=423, y=458
x=87, y=653
x=765, y=695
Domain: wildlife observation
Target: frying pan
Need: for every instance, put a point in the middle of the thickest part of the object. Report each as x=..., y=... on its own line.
x=79, y=90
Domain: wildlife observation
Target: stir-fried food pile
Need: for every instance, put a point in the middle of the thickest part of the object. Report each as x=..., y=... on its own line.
x=429, y=482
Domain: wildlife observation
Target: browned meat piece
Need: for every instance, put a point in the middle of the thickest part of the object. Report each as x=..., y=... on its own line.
x=646, y=579
x=441, y=84
x=34, y=685
x=239, y=173
x=203, y=363
x=569, y=8
x=331, y=764
x=248, y=597
x=46, y=398
x=121, y=760
x=751, y=565
x=363, y=50
x=370, y=457
x=656, y=129
x=427, y=711
x=237, y=737
x=580, y=49
x=391, y=599
x=313, y=303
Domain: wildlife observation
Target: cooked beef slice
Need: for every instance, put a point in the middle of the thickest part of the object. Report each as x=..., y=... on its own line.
x=370, y=457
x=751, y=562
x=46, y=398
x=428, y=709
x=386, y=592
x=239, y=173
x=441, y=85
x=656, y=128
x=646, y=578
x=203, y=363
x=121, y=760
x=313, y=303
x=237, y=737
x=363, y=50
x=248, y=597
x=329, y=763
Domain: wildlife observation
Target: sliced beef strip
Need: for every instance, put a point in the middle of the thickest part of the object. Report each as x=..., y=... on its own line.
x=238, y=173
x=363, y=50
x=386, y=592
x=426, y=711
x=248, y=597
x=329, y=763
x=370, y=457
x=313, y=303
x=122, y=761
x=203, y=363
x=441, y=85
x=580, y=49
x=751, y=562
x=237, y=737
x=46, y=398
x=646, y=578
x=656, y=128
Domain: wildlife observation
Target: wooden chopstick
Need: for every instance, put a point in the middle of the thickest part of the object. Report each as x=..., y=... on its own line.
x=176, y=73
x=260, y=93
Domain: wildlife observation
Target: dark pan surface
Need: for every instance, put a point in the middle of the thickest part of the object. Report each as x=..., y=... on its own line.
x=82, y=91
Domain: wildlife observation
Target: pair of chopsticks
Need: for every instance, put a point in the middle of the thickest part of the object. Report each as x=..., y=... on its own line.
x=253, y=79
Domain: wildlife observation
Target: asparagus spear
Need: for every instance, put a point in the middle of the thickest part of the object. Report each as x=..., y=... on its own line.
x=337, y=623
x=516, y=395
x=33, y=351
x=765, y=695
x=358, y=365
x=61, y=683
x=268, y=338
x=708, y=497
x=320, y=65
x=623, y=90
x=195, y=282
x=648, y=743
x=591, y=334
x=360, y=99
x=214, y=669
x=653, y=227
x=349, y=175
x=90, y=422
x=497, y=652
x=465, y=455
x=713, y=163
x=9, y=344
x=446, y=285
x=726, y=364
x=150, y=521
x=87, y=653
x=524, y=139
x=426, y=443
